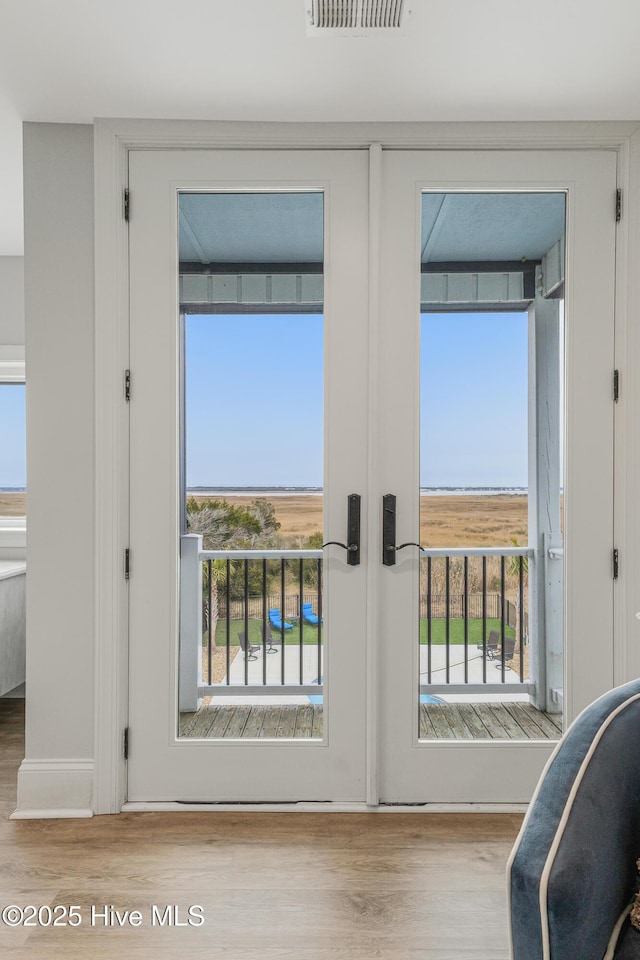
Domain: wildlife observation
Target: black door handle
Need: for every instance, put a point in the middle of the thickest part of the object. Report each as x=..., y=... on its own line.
x=389, y=529
x=389, y=548
x=352, y=546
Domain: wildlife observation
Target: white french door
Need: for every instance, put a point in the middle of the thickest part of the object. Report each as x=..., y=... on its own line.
x=478, y=188
x=371, y=672
x=276, y=194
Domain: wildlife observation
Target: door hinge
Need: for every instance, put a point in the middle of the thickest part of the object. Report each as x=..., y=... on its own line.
x=616, y=385
x=126, y=205
x=616, y=563
x=127, y=385
x=127, y=563
x=618, y=205
x=126, y=743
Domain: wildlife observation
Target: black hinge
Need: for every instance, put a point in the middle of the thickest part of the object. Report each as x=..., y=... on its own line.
x=127, y=563
x=616, y=385
x=126, y=205
x=126, y=743
x=618, y=205
x=127, y=385
x=616, y=563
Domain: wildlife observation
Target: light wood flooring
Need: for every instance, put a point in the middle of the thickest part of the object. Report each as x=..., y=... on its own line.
x=273, y=886
x=438, y=721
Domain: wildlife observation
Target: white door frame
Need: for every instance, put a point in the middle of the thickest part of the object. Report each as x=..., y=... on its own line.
x=113, y=140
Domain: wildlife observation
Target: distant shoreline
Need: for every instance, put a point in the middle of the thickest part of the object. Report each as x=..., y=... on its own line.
x=318, y=491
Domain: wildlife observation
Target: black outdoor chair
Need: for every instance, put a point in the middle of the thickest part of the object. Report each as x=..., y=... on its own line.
x=243, y=644
x=253, y=648
x=509, y=647
x=271, y=641
x=493, y=642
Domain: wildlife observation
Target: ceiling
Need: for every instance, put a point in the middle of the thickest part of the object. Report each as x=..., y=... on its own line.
x=73, y=60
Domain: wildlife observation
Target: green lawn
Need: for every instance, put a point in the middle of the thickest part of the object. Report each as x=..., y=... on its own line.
x=456, y=630
x=310, y=633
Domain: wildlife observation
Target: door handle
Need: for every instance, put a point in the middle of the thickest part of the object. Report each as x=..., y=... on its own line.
x=389, y=548
x=352, y=546
x=389, y=529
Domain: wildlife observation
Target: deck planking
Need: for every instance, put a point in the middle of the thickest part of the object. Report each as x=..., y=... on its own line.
x=438, y=721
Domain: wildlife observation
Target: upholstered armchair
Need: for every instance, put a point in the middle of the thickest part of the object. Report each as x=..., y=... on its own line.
x=572, y=873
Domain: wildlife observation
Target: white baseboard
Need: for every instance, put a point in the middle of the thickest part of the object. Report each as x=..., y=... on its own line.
x=55, y=789
x=316, y=807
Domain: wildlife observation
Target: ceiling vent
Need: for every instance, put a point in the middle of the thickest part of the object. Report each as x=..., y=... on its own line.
x=356, y=18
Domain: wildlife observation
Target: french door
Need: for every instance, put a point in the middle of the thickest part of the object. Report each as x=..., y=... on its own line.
x=266, y=667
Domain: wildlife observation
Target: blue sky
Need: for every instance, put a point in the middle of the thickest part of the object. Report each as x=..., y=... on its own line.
x=255, y=396
x=12, y=435
x=254, y=400
x=473, y=400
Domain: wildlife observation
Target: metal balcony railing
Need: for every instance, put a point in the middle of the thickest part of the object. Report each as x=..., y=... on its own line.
x=474, y=620
x=252, y=621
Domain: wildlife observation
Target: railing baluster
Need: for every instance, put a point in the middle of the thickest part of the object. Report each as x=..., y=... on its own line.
x=502, y=611
x=282, y=616
x=264, y=622
x=465, y=610
x=246, y=622
x=301, y=620
x=521, y=615
x=447, y=595
x=210, y=621
x=484, y=619
x=320, y=679
x=228, y=604
x=429, y=625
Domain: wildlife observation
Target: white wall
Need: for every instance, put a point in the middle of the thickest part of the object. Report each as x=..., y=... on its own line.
x=59, y=269
x=11, y=301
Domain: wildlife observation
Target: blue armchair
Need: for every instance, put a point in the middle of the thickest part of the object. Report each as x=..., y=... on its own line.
x=572, y=872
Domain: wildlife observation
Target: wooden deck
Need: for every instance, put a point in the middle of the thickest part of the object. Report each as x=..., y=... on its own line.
x=438, y=721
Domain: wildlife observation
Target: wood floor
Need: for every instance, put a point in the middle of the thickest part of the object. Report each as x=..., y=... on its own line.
x=438, y=721
x=272, y=886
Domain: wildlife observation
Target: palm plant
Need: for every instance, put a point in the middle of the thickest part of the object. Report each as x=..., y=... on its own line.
x=517, y=567
x=224, y=526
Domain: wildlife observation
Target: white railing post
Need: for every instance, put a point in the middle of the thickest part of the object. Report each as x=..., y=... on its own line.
x=190, y=622
x=554, y=619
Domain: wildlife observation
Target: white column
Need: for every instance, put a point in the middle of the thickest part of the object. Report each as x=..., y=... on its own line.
x=190, y=622
x=545, y=574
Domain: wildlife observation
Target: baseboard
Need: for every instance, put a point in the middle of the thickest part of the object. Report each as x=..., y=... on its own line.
x=318, y=807
x=55, y=789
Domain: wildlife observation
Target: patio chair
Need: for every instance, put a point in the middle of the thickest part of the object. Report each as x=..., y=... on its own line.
x=270, y=640
x=309, y=616
x=276, y=620
x=243, y=644
x=509, y=647
x=493, y=642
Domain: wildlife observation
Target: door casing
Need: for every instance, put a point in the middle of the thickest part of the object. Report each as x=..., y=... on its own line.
x=113, y=141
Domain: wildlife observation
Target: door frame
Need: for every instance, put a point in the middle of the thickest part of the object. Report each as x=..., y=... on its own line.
x=113, y=139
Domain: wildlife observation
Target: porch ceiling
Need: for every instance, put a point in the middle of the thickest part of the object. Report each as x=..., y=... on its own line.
x=219, y=229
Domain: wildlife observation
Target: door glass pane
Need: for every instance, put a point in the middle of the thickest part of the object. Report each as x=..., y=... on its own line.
x=12, y=450
x=491, y=641
x=251, y=301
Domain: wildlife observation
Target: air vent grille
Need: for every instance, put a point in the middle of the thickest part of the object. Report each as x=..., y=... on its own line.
x=354, y=17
